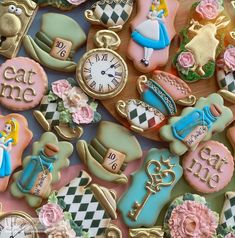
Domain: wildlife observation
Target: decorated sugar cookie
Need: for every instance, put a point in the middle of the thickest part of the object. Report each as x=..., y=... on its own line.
x=152, y=32
x=15, y=19
x=55, y=44
x=150, y=189
x=65, y=108
x=190, y=216
x=196, y=124
x=41, y=169
x=23, y=84
x=209, y=168
x=107, y=155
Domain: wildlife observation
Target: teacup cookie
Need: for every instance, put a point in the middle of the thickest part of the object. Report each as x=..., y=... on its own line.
x=55, y=44
x=41, y=169
x=23, y=83
x=150, y=189
x=196, y=124
x=209, y=168
x=14, y=138
x=190, y=216
x=15, y=19
x=65, y=108
x=107, y=155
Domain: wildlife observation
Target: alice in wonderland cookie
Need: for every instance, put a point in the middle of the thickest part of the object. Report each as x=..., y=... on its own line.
x=41, y=169
x=209, y=168
x=150, y=189
x=152, y=32
x=15, y=19
x=14, y=138
x=107, y=155
x=55, y=44
x=65, y=108
x=23, y=84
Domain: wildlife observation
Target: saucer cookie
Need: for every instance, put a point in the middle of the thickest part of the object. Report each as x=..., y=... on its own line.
x=196, y=124
x=14, y=138
x=41, y=169
x=107, y=155
x=209, y=168
x=23, y=84
x=16, y=17
x=189, y=216
x=150, y=189
x=152, y=31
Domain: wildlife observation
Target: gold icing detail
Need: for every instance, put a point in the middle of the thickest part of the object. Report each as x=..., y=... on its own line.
x=188, y=101
x=42, y=120
x=113, y=231
x=121, y=108
x=67, y=133
x=154, y=232
x=142, y=80
x=229, y=96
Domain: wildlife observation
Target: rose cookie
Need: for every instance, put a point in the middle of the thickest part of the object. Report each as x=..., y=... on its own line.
x=152, y=31
x=195, y=60
x=15, y=19
x=55, y=44
x=150, y=189
x=209, y=168
x=65, y=108
x=190, y=216
x=196, y=124
x=23, y=84
x=107, y=155
x=14, y=138
x=41, y=169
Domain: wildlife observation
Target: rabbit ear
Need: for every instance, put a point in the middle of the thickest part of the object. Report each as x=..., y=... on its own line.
x=219, y=20
x=222, y=25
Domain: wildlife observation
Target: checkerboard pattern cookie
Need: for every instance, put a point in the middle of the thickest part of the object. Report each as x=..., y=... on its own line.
x=226, y=80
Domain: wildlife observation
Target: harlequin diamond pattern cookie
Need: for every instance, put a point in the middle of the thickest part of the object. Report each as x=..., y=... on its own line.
x=227, y=80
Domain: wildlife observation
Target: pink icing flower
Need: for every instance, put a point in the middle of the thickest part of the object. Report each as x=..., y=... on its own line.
x=84, y=115
x=229, y=58
x=208, y=9
x=230, y=235
x=186, y=60
x=192, y=220
x=50, y=214
x=60, y=87
x=76, y=2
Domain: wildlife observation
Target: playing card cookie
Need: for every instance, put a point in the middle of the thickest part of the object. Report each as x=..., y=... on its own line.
x=190, y=216
x=107, y=155
x=14, y=138
x=196, y=124
x=209, y=168
x=23, y=84
x=150, y=189
x=65, y=108
x=152, y=32
x=41, y=169
x=55, y=44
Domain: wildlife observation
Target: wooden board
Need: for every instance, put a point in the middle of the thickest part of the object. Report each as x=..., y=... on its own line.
x=199, y=89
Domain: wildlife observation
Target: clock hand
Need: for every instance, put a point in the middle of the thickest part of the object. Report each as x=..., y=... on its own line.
x=19, y=231
x=110, y=67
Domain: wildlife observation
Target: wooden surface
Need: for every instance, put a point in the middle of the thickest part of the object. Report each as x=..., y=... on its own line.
x=200, y=88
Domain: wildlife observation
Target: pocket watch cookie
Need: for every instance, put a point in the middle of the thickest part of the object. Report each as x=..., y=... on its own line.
x=102, y=73
x=14, y=138
x=55, y=44
x=150, y=189
x=190, y=216
x=41, y=169
x=65, y=108
x=15, y=19
x=23, y=83
x=152, y=31
x=109, y=152
x=209, y=168
x=196, y=124
x=112, y=14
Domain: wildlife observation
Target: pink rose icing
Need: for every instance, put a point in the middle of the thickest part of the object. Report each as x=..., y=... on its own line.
x=192, y=220
x=84, y=114
x=229, y=58
x=186, y=60
x=230, y=235
x=208, y=9
x=61, y=87
x=50, y=214
x=76, y=2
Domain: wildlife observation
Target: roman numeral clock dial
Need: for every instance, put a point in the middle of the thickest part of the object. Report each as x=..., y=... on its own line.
x=102, y=73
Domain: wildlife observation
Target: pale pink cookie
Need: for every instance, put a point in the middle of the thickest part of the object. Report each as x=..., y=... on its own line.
x=23, y=83
x=209, y=168
x=152, y=31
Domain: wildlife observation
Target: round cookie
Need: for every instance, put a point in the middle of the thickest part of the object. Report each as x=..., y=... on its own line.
x=209, y=168
x=23, y=84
